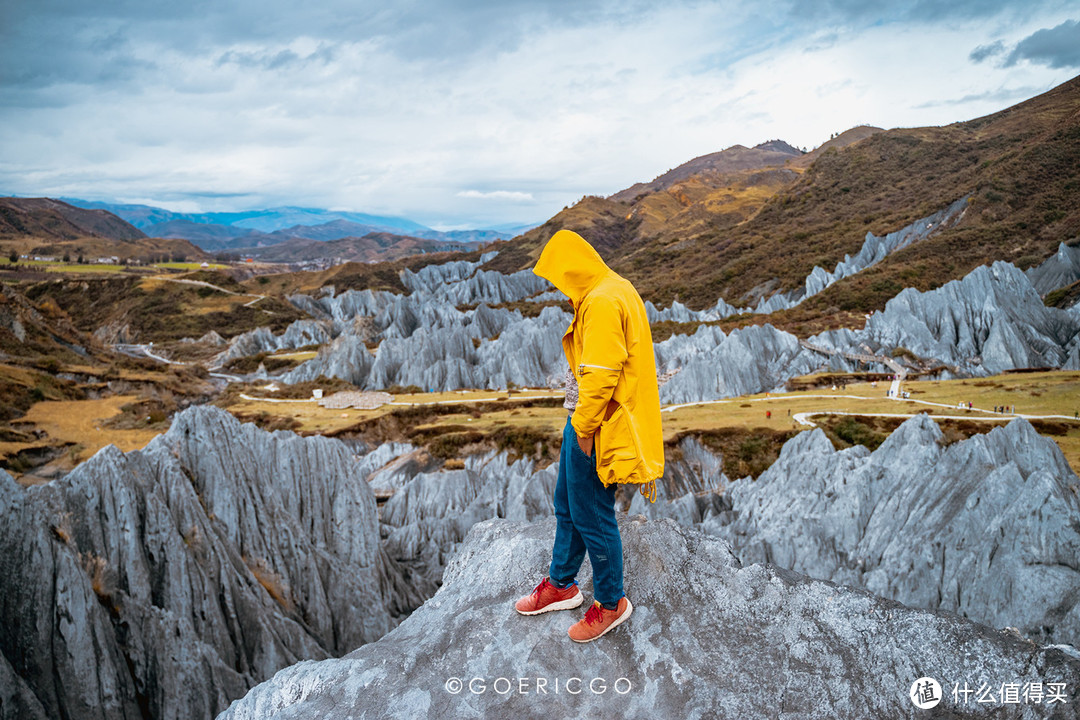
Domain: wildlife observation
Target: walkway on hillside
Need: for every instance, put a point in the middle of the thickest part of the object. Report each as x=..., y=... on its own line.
x=143, y=350
x=803, y=417
x=899, y=370
x=202, y=283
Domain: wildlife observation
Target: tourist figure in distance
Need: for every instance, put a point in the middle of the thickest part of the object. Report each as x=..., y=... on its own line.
x=612, y=434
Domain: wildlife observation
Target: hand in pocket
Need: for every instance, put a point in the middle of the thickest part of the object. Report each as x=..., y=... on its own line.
x=586, y=444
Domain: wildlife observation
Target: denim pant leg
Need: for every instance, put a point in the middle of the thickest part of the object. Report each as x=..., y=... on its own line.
x=592, y=508
x=569, y=550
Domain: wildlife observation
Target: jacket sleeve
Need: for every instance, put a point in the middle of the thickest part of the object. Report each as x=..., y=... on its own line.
x=603, y=353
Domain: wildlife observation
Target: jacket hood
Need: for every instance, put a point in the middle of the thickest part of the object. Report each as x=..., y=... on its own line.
x=571, y=264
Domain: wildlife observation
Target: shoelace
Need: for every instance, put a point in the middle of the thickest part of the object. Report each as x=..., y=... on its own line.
x=594, y=613
x=540, y=588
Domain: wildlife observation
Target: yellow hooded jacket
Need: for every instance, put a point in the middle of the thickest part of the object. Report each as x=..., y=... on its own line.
x=609, y=348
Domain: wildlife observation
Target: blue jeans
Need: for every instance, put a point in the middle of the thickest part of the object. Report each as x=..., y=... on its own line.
x=585, y=514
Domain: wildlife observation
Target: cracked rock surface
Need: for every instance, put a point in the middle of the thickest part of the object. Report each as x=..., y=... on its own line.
x=709, y=637
x=167, y=581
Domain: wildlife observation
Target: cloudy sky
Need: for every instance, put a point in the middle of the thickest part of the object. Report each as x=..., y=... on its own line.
x=477, y=112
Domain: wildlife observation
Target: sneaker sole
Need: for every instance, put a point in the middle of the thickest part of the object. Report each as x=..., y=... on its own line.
x=568, y=604
x=618, y=621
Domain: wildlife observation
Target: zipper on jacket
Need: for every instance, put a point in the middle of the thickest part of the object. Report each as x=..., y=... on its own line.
x=581, y=368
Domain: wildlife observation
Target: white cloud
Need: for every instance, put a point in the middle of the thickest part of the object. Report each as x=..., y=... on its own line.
x=506, y=120
x=497, y=195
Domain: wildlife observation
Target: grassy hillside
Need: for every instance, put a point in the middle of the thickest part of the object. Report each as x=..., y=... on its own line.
x=354, y=275
x=158, y=309
x=372, y=247
x=48, y=218
x=38, y=335
x=48, y=227
x=1021, y=165
x=720, y=190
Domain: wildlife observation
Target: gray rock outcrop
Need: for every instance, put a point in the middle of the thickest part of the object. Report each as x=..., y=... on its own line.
x=463, y=283
x=425, y=340
x=691, y=489
x=527, y=353
x=709, y=637
x=405, y=462
x=428, y=516
x=431, y=277
x=1060, y=269
x=874, y=250
x=346, y=357
x=165, y=582
x=678, y=312
x=990, y=321
x=988, y=527
x=711, y=365
x=299, y=334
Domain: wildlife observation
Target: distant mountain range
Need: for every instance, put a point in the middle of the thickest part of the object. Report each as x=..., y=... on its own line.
x=48, y=227
x=53, y=219
x=262, y=228
x=371, y=247
x=287, y=234
x=268, y=220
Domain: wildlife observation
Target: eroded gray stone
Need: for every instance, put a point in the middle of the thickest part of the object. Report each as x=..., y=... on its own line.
x=708, y=638
x=169, y=580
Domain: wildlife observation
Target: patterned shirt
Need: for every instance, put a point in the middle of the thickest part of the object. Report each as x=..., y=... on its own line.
x=571, y=391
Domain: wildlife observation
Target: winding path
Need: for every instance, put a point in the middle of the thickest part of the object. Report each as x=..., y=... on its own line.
x=803, y=418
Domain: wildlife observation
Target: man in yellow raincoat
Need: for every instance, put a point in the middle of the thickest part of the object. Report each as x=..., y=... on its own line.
x=612, y=436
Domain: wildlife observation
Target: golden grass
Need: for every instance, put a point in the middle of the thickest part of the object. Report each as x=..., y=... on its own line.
x=102, y=577
x=9, y=449
x=315, y=419
x=474, y=396
x=212, y=303
x=122, y=373
x=540, y=418
x=216, y=303
x=190, y=266
x=272, y=582
x=149, y=284
x=79, y=422
x=298, y=356
x=1049, y=393
x=65, y=267
x=311, y=417
x=84, y=269
x=17, y=374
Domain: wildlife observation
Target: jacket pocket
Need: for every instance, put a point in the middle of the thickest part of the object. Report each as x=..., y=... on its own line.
x=617, y=448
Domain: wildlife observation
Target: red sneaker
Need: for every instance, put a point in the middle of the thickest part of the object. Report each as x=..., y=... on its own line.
x=546, y=597
x=598, y=620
